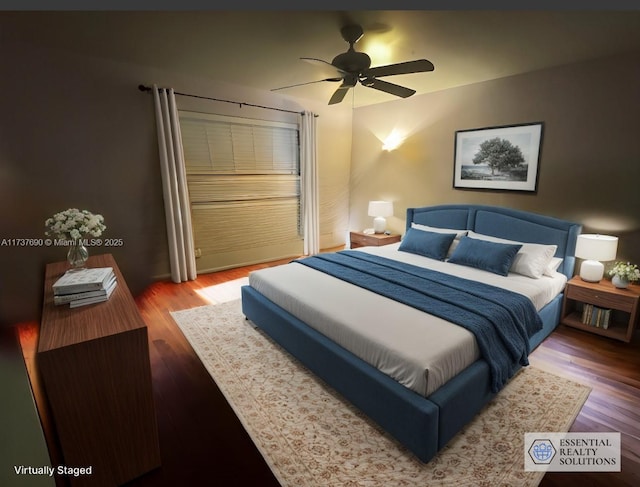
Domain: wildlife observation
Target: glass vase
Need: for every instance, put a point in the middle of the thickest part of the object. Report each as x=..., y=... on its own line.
x=620, y=282
x=77, y=255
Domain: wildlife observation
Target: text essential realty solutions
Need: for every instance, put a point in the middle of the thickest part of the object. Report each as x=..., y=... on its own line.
x=49, y=471
x=572, y=452
x=582, y=447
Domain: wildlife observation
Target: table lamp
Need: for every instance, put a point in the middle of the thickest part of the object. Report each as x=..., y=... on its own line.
x=595, y=248
x=379, y=210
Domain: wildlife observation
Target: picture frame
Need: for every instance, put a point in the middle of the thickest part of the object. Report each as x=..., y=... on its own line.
x=498, y=158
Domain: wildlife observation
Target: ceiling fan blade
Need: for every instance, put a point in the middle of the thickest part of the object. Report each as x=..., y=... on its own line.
x=307, y=83
x=418, y=66
x=328, y=68
x=378, y=84
x=339, y=94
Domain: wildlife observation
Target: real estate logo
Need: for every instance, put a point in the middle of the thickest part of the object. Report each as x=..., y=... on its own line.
x=572, y=452
x=542, y=452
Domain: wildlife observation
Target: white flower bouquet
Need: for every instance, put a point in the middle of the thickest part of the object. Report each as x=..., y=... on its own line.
x=625, y=270
x=74, y=224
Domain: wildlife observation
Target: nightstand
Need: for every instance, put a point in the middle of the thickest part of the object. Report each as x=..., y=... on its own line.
x=360, y=239
x=602, y=294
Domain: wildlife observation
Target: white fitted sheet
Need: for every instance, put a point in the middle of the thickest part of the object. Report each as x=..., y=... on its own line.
x=419, y=350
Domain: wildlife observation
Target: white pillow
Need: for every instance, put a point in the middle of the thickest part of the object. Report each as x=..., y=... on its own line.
x=531, y=260
x=459, y=234
x=553, y=266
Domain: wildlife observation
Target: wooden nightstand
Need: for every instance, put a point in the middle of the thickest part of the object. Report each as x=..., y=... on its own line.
x=360, y=239
x=604, y=295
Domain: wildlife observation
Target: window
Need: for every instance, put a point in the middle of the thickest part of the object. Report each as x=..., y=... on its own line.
x=244, y=188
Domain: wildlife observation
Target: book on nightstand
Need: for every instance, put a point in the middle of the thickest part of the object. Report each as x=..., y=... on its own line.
x=84, y=300
x=81, y=280
x=85, y=286
x=596, y=316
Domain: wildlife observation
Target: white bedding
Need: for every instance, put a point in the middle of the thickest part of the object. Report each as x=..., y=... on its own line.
x=419, y=350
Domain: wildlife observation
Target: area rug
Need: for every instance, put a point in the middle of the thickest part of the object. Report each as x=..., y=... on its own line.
x=310, y=436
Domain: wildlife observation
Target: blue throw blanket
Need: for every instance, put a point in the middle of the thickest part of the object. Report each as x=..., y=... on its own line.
x=502, y=321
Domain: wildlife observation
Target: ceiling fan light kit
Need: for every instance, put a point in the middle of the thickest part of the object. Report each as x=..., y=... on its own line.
x=352, y=67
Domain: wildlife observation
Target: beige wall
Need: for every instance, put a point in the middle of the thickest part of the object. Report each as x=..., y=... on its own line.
x=590, y=159
x=76, y=132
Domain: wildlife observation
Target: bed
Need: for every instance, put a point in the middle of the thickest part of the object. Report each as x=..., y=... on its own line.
x=422, y=409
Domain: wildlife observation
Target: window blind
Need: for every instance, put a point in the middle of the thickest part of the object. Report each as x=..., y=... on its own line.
x=244, y=188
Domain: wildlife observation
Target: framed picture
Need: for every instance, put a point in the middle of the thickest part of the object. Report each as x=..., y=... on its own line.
x=498, y=158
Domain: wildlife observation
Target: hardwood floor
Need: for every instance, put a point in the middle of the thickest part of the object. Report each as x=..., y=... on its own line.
x=203, y=443
x=612, y=370
x=200, y=437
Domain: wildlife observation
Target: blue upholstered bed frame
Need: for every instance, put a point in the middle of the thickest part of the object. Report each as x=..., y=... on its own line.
x=422, y=425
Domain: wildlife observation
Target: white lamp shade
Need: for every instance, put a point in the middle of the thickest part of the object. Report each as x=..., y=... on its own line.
x=595, y=248
x=380, y=208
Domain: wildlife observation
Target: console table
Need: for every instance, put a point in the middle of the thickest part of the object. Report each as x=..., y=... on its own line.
x=94, y=365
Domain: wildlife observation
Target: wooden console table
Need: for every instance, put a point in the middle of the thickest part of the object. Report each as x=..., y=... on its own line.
x=94, y=365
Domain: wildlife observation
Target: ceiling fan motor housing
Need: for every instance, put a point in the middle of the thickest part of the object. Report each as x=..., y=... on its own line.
x=352, y=62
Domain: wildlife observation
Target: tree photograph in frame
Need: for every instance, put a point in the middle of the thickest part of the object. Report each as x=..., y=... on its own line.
x=500, y=158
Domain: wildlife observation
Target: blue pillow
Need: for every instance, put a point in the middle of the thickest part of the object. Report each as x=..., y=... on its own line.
x=430, y=244
x=482, y=254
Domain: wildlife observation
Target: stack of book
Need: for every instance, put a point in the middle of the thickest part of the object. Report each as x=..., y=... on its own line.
x=596, y=316
x=84, y=286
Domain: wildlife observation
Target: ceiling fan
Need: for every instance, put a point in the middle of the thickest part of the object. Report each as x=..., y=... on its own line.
x=352, y=67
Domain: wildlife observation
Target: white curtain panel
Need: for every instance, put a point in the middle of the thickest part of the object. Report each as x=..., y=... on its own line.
x=174, y=187
x=309, y=177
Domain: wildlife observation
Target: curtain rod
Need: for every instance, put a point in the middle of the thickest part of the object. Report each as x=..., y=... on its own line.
x=240, y=104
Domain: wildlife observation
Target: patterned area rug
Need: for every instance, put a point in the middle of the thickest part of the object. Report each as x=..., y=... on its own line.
x=310, y=436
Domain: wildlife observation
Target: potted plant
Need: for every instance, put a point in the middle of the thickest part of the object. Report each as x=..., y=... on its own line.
x=624, y=273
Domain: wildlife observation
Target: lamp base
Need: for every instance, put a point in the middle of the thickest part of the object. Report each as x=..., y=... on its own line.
x=591, y=271
x=379, y=224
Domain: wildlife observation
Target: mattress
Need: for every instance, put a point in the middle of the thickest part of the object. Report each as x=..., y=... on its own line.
x=419, y=350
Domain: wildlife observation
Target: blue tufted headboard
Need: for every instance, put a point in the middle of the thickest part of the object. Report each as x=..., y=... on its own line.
x=506, y=223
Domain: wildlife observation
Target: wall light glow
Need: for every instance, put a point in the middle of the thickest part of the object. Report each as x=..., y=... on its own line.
x=607, y=223
x=393, y=140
